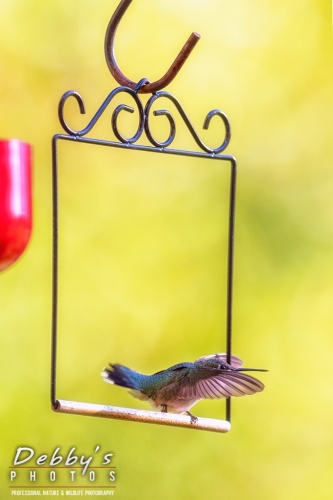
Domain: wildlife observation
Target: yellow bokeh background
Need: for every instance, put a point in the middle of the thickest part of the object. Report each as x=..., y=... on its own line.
x=143, y=242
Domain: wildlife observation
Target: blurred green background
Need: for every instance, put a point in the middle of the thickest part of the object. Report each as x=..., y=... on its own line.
x=142, y=245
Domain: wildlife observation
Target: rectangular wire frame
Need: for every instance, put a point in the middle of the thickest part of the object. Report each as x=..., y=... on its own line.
x=88, y=409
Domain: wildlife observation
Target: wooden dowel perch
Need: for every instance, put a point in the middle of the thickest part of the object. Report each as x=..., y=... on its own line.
x=152, y=417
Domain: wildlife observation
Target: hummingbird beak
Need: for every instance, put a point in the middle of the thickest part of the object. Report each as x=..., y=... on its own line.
x=250, y=370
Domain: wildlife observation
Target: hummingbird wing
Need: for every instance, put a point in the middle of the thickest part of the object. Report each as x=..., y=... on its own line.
x=235, y=362
x=219, y=385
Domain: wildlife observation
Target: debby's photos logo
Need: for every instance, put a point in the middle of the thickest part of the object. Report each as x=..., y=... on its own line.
x=58, y=473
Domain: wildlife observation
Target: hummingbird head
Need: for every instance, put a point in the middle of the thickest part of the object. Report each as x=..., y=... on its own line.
x=219, y=361
x=226, y=366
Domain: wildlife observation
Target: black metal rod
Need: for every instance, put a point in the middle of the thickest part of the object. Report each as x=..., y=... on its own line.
x=54, y=271
x=139, y=147
x=230, y=267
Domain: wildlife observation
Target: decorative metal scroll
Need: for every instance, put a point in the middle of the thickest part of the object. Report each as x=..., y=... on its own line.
x=144, y=129
x=144, y=119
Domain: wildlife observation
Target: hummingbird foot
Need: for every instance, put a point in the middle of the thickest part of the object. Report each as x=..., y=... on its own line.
x=194, y=419
x=164, y=409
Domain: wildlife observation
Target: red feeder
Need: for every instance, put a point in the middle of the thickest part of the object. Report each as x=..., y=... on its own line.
x=15, y=200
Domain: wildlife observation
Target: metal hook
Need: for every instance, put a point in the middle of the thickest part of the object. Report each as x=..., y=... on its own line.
x=114, y=68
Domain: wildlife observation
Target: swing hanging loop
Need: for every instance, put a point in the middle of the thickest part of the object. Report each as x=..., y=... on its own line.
x=117, y=73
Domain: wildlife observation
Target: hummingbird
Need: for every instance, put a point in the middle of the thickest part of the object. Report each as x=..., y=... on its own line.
x=181, y=386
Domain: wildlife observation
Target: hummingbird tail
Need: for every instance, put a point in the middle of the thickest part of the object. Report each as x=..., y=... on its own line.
x=121, y=375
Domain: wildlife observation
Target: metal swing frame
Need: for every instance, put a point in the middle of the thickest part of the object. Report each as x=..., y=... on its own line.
x=144, y=128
